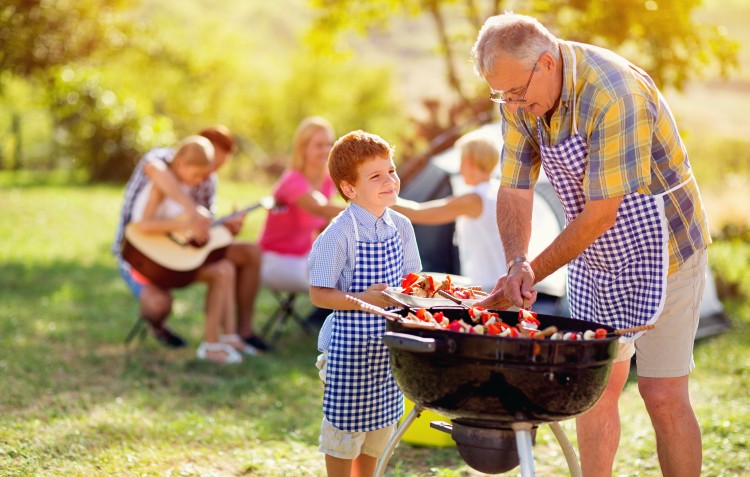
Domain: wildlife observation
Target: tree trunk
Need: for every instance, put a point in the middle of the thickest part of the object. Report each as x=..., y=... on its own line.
x=434, y=9
x=18, y=149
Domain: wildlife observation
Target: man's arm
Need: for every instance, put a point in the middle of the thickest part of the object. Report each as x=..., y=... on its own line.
x=199, y=220
x=514, y=212
x=149, y=222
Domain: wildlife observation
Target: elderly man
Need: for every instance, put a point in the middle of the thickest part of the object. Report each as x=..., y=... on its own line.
x=636, y=237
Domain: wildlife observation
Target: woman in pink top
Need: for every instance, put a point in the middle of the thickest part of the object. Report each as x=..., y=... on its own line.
x=303, y=210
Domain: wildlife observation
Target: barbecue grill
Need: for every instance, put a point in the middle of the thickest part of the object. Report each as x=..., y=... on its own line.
x=497, y=390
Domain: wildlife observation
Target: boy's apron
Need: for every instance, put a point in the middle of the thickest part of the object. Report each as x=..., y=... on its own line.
x=620, y=279
x=360, y=393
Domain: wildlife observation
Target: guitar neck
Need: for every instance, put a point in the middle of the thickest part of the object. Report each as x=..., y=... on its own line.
x=221, y=220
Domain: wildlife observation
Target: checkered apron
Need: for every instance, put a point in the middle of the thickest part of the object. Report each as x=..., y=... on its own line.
x=620, y=279
x=361, y=394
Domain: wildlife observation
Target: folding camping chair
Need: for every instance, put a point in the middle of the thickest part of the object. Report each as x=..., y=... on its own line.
x=267, y=202
x=285, y=312
x=137, y=330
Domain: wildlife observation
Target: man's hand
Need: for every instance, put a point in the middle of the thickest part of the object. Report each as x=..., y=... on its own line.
x=234, y=224
x=517, y=286
x=498, y=298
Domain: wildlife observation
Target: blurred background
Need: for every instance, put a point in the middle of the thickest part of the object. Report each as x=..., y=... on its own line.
x=87, y=86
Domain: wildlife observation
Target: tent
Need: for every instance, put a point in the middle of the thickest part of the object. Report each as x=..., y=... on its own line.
x=440, y=177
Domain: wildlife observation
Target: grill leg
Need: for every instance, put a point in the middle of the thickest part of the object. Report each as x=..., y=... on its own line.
x=400, y=431
x=524, y=446
x=570, y=453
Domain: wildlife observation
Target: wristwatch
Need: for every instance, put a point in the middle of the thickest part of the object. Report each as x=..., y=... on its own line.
x=515, y=261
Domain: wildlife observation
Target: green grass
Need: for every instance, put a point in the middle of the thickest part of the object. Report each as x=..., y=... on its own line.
x=75, y=401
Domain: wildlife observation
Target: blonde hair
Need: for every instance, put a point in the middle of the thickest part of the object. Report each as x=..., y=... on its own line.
x=510, y=34
x=195, y=151
x=306, y=129
x=482, y=151
x=352, y=150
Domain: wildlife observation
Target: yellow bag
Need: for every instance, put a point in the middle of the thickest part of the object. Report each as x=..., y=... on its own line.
x=420, y=433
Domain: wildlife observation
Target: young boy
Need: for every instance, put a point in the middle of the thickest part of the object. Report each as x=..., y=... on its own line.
x=365, y=249
x=153, y=212
x=477, y=237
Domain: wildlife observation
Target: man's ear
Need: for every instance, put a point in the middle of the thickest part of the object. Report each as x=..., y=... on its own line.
x=547, y=61
x=348, y=190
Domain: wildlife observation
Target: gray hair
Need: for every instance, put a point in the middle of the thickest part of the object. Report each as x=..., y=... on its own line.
x=519, y=36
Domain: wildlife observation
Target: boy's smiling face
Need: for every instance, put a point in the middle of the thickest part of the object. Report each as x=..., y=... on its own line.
x=377, y=185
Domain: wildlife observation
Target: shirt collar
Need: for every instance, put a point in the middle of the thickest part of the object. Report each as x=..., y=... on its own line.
x=367, y=219
x=567, y=53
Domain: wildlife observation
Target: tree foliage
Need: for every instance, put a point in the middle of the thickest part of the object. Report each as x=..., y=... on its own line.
x=40, y=34
x=100, y=131
x=138, y=74
x=121, y=75
x=660, y=35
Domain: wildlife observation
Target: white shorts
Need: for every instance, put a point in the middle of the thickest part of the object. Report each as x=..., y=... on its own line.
x=284, y=272
x=667, y=350
x=349, y=445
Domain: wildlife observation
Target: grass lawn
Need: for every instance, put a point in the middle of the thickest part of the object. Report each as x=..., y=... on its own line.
x=75, y=401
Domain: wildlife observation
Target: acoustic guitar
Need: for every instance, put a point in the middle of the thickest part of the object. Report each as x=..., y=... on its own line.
x=172, y=260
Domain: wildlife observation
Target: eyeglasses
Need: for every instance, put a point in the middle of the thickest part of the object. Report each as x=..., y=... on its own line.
x=499, y=96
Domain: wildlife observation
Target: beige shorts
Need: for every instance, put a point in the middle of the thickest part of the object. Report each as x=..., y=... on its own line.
x=348, y=445
x=667, y=350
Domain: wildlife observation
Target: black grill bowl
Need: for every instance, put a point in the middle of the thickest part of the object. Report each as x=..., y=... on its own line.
x=478, y=378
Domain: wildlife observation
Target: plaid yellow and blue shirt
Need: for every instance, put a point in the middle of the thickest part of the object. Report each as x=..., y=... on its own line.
x=633, y=142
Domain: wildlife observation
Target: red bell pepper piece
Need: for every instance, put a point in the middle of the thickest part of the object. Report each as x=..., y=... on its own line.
x=494, y=329
x=430, y=284
x=475, y=310
x=409, y=280
x=527, y=315
x=454, y=325
x=488, y=315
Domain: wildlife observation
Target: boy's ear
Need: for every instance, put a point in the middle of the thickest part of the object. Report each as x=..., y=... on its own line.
x=348, y=190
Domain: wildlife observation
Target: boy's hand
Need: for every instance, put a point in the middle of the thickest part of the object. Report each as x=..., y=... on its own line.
x=374, y=296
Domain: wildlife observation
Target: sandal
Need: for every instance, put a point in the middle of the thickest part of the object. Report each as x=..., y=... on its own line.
x=239, y=344
x=231, y=356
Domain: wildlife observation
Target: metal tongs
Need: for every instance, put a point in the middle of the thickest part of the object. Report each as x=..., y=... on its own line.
x=634, y=329
x=395, y=301
x=389, y=315
x=452, y=298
